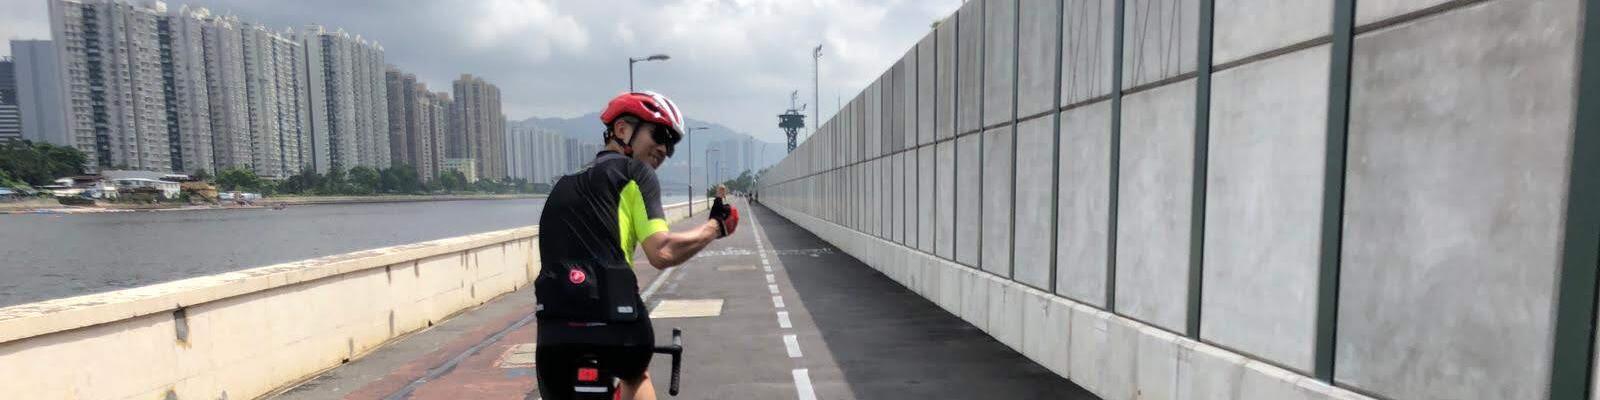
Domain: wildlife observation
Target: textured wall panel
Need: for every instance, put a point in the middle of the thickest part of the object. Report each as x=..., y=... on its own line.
x=1035, y=184
x=1037, y=53
x=1083, y=210
x=968, y=199
x=944, y=206
x=1088, y=30
x=1460, y=134
x=1263, y=203
x=999, y=60
x=969, y=67
x=944, y=109
x=1248, y=27
x=926, y=219
x=1160, y=38
x=1154, y=204
x=996, y=224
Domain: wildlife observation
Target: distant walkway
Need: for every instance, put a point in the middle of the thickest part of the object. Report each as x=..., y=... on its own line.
x=772, y=313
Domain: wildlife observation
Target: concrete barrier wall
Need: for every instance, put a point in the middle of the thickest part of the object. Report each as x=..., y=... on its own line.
x=243, y=334
x=1205, y=177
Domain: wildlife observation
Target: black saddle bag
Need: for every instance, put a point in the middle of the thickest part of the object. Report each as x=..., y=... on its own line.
x=587, y=291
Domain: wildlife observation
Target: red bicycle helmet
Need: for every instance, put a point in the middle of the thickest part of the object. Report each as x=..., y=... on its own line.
x=648, y=106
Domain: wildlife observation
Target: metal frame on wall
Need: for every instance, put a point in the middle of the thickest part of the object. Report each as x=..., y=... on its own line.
x=1202, y=134
x=1333, y=180
x=1572, y=361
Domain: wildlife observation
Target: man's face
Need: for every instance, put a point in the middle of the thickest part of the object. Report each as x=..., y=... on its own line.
x=645, y=147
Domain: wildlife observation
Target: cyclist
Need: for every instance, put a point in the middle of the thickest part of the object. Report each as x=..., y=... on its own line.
x=588, y=295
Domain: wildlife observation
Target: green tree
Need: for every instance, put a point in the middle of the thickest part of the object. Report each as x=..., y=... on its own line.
x=306, y=181
x=364, y=180
x=333, y=182
x=200, y=174
x=452, y=181
x=237, y=178
x=39, y=163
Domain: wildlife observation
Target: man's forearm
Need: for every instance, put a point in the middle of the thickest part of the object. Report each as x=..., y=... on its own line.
x=680, y=246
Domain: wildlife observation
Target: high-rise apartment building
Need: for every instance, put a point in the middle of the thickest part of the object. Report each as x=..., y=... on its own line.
x=436, y=124
x=39, y=100
x=348, y=100
x=272, y=85
x=10, y=116
x=134, y=86
x=187, y=95
x=481, y=127
x=113, y=81
x=537, y=155
x=416, y=124
x=226, y=94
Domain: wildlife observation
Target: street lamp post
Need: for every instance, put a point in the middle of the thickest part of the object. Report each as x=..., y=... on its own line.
x=709, y=169
x=689, y=145
x=632, y=60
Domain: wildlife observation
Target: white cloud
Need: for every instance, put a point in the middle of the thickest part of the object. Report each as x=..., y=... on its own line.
x=733, y=61
x=530, y=28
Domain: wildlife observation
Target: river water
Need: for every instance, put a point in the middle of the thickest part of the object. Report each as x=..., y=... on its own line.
x=51, y=256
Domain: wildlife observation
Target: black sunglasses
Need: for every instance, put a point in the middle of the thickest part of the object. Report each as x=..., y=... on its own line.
x=666, y=137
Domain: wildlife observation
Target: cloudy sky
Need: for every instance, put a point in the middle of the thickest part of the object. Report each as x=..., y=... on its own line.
x=733, y=61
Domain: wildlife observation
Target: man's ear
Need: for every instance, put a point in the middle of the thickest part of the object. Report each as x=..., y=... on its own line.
x=622, y=130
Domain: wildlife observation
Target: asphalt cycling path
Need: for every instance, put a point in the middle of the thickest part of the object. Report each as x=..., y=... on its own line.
x=770, y=313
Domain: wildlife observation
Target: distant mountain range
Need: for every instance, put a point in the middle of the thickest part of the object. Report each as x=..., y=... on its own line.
x=588, y=128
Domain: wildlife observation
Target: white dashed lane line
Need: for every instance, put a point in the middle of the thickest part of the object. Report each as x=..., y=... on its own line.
x=791, y=344
x=802, y=384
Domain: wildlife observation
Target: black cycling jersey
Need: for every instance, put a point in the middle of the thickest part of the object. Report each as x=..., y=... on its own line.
x=592, y=222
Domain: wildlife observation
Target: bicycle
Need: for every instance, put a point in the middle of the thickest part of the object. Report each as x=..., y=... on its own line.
x=596, y=382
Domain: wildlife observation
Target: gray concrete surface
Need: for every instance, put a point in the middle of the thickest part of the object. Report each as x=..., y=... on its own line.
x=897, y=200
x=926, y=199
x=1082, y=222
x=896, y=117
x=1377, y=10
x=1263, y=193
x=925, y=87
x=1244, y=28
x=969, y=199
x=998, y=145
x=944, y=204
x=912, y=203
x=1160, y=38
x=1037, y=53
x=944, y=108
x=1087, y=37
x=1153, y=204
x=1460, y=133
x=969, y=67
x=908, y=96
x=999, y=60
x=1035, y=186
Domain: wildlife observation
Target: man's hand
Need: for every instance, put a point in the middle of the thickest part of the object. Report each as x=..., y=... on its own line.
x=726, y=215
